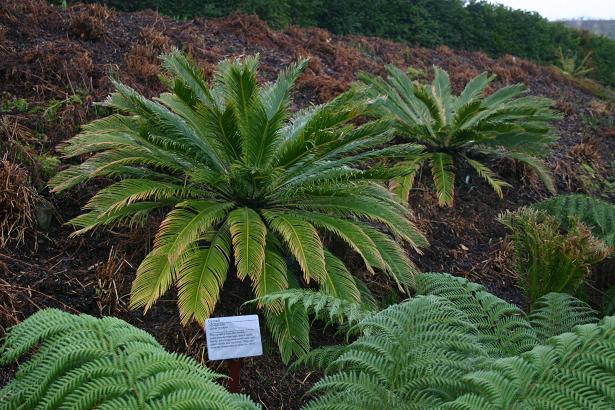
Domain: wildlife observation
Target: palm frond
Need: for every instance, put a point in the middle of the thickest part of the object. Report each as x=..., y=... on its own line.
x=304, y=243
x=443, y=172
x=248, y=234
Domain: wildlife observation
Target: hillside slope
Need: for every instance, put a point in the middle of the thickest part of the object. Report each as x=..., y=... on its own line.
x=54, y=65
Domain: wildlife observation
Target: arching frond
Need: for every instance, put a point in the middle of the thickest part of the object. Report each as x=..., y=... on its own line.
x=154, y=276
x=339, y=282
x=489, y=176
x=201, y=275
x=303, y=241
x=557, y=313
x=248, y=234
x=443, y=173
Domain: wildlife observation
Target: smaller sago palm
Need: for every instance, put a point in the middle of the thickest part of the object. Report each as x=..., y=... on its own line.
x=466, y=127
x=247, y=184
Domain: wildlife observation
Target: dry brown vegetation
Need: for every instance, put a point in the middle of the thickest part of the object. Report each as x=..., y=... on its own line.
x=18, y=201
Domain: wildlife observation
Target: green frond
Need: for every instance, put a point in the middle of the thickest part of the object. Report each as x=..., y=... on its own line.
x=489, y=176
x=187, y=223
x=303, y=241
x=339, y=282
x=533, y=163
x=474, y=89
x=80, y=362
x=155, y=275
x=129, y=191
x=402, y=186
x=248, y=234
x=327, y=307
x=351, y=233
x=443, y=172
x=201, y=275
x=441, y=92
x=290, y=329
x=502, y=328
x=556, y=313
x=384, y=208
x=188, y=73
x=134, y=215
x=274, y=277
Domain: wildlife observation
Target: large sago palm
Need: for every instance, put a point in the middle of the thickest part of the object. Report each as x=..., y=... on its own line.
x=468, y=127
x=247, y=187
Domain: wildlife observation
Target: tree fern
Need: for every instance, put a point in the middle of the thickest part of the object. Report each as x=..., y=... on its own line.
x=80, y=362
x=245, y=183
x=556, y=313
x=464, y=127
x=595, y=213
x=503, y=328
x=444, y=349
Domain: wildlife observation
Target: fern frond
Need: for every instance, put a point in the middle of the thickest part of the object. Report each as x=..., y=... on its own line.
x=80, y=362
x=557, y=313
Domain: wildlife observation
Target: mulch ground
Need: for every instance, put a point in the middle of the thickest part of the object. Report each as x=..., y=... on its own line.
x=49, y=55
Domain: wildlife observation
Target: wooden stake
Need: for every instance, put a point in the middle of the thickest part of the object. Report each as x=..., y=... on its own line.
x=234, y=370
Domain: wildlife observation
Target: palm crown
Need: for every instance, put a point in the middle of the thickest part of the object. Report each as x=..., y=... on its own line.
x=468, y=126
x=245, y=182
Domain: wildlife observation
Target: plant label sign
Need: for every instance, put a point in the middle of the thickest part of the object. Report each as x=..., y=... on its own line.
x=233, y=337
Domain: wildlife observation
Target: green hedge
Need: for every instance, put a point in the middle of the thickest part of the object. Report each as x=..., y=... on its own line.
x=495, y=29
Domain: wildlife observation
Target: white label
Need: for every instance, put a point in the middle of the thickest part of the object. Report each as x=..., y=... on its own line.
x=232, y=337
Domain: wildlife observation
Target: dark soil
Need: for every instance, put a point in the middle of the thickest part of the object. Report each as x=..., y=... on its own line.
x=48, y=54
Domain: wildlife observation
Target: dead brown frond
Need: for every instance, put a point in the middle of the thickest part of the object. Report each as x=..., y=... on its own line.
x=564, y=106
x=587, y=151
x=9, y=304
x=18, y=200
x=142, y=58
x=599, y=107
x=89, y=22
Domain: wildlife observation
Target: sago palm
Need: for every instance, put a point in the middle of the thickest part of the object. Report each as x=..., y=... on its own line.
x=465, y=127
x=245, y=183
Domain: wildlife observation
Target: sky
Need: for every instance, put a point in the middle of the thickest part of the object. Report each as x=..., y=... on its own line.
x=565, y=9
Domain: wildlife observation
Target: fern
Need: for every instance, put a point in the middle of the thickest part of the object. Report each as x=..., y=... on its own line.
x=462, y=128
x=557, y=313
x=502, y=327
x=445, y=349
x=80, y=362
x=595, y=213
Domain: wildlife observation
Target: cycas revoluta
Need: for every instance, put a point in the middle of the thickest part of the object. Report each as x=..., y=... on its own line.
x=548, y=259
x=456, y=346
x=81, y=362
x=247, y=183
x=466, y=127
